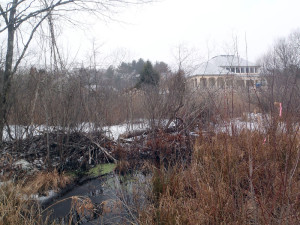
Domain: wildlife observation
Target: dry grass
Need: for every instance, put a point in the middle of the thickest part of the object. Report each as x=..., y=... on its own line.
x=122, y=167
x=16, y=207
x=44, y=181
x=231, y=180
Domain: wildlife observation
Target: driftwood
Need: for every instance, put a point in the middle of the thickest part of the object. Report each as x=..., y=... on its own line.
x=134, y=134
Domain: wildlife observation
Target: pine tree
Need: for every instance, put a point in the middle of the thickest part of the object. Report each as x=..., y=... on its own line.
x=148, y=76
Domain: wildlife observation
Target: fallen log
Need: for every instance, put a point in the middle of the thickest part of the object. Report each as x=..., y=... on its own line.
x=134, y=134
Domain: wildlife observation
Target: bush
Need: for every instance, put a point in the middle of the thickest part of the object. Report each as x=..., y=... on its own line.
x=15, y=208
x=231, y=180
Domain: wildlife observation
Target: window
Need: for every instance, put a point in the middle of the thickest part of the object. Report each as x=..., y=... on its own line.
x=220, y=82
x=203, y=82
x=211, y=82
x=237, y=70
x=247, y=69
x=232, y=69
x=251, y=70
x=242, y=70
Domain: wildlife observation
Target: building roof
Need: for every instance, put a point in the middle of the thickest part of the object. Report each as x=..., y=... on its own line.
x=217, y=65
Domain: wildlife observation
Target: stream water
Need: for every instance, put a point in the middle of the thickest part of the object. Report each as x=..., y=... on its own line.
x=104, y=200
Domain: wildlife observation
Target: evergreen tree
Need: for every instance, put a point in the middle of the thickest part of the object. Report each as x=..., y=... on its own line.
x=161, y=68
x=110, y=72
x=133, y=65
x=148, y=76
x=139, y=66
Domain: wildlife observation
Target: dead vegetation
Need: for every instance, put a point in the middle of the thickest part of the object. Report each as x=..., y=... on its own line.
x=55, y=150
x=16, y=208
x=199, y=175
x=221, y=179
x=44, y=181
x=231, y=180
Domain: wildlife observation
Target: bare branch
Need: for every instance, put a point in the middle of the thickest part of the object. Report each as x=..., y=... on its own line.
x=20, y=20
x=28, y=42
x=102, y=149
x=4, y=14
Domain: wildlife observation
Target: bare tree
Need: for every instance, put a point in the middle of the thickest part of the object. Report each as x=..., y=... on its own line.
x=281, y=68
x=17, y=15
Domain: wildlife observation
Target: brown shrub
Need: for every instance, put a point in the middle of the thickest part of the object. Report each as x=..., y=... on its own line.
x=235, y=179
x=44, y=181
x=16, y=208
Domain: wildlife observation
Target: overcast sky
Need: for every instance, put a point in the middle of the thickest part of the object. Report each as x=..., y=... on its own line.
x=154, y=31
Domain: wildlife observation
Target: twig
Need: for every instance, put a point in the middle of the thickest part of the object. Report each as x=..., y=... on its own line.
x=102, y=149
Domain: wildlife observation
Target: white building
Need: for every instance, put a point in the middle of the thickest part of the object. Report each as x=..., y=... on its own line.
x=225, y=71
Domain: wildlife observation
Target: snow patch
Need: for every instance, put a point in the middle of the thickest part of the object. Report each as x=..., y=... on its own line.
x=41, y=199
x=25, y=165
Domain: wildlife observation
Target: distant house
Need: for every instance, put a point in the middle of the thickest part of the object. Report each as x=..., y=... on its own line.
x=225, y=71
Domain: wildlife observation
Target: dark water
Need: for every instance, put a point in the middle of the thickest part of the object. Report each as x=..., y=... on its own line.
x=111, y=198
x=95, y=191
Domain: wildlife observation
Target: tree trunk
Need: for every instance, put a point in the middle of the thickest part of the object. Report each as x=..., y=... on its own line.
x=6, y=79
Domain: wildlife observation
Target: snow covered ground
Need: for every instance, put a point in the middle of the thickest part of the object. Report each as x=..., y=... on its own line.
x=21, y=132
x=117, y=130
x=252, y=122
